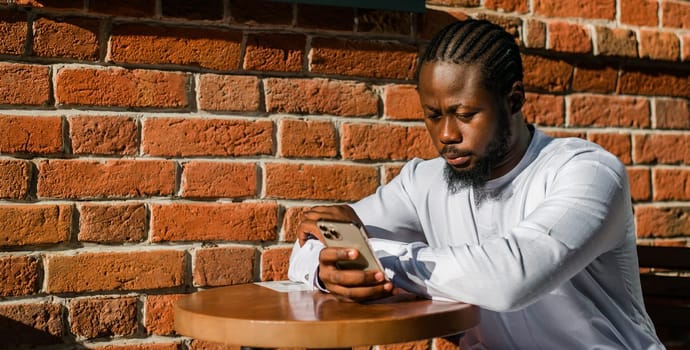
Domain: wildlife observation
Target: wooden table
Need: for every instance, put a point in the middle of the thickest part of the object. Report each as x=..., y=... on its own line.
x=283, y=314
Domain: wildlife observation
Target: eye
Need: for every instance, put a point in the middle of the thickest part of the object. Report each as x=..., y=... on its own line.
x=432, y=116
x=465, y=116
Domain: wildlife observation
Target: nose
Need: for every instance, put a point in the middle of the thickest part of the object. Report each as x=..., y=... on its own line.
x=449, y=132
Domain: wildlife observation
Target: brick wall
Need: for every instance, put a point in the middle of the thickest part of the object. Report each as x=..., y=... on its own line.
x=152, y=148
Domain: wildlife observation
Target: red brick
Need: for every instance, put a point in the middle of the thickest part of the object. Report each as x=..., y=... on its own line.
x=616, y=42
x=617, y=143
x=670, y=221
x=175, y=137
x=325, y=182
x=274, y=52
x=363, y=58
x=671, y=184
x=639, y=12
x=544, y=109
x=19, y=275
x=15, y=178
x=291, y=220
x=385, y=142
x=28, y=134
x=112, y=223
x=413, y=345
x=13, y=30
x=675, y=14
x=35, y=224
x=512, y=25
x=662, y=148
x=391, y=171
x=603, y=9
x=654, y=83
x=307, y=139
x=207, y=345
x=71, y=37
x=603, y=110
x=384, y=22
x=129, y=8
x=24, y=84
x=109, y=135
x=659, y=45
x=228, y=93
x=61, y=178
x=30, y=324
x=536, y=34
x=113, y=87
x=566, y=133
x=326, y=17
x=547, y=74
x=206, y=48
x=672, y=113
x=252, y=12
x=215, y=179
x=159, y=315
x=214, y=221
x=320, y=96
x=433, y=20
x=103, y=317
x=274, y=263
x=569, y=37
x=401, y=102
x=595, y=79
x=121, y=271
x=519, y=6
x=211, y=10
x=640, y=183
x=211, y=266
x=444, y=344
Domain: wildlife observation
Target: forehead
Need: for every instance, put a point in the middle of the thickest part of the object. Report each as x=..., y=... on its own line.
x=441, y=81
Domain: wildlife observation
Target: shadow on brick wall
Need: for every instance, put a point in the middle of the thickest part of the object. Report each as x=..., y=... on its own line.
x=17, y=335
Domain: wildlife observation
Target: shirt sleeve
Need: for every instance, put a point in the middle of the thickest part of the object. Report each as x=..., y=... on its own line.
x=586, y=212
x=304, y=262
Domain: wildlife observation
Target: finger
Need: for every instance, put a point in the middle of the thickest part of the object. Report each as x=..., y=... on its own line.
x=335, y=254
x=361, y=293
x=329, y=273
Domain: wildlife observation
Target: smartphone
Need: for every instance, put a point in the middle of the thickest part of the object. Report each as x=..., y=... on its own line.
x=350, y=235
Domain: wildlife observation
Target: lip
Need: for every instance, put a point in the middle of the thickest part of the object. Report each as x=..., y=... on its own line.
x=457, y=159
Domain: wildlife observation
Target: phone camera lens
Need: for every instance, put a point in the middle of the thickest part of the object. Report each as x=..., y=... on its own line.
x=336, y=234
x=328, y=235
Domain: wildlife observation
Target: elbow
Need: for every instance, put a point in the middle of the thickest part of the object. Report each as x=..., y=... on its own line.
x=510, y=300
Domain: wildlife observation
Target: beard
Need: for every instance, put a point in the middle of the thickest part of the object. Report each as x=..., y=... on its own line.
x=480, y=174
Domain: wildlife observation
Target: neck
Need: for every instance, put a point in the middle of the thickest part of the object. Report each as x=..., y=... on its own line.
x=521, y=138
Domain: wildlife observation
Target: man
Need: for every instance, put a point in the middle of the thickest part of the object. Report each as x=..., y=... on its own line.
x=536, y=231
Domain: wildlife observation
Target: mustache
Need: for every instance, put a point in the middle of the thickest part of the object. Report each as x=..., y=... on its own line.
x=449, y=151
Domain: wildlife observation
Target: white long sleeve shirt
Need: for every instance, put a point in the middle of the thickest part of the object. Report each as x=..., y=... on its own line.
x=547, y=251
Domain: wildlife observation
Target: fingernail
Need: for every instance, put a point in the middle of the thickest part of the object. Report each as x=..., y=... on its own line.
x=351, y=254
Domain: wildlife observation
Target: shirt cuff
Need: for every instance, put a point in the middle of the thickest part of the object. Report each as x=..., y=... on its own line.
x=304, y=263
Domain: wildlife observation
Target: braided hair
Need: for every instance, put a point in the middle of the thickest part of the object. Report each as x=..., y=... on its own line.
x=478, y=42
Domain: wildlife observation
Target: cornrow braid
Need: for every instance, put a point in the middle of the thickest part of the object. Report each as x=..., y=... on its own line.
x=478, y=42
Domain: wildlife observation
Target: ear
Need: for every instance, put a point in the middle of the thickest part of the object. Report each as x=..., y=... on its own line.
x=516, y=97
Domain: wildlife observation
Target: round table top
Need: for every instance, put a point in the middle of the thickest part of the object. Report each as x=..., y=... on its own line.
x=266, y=315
